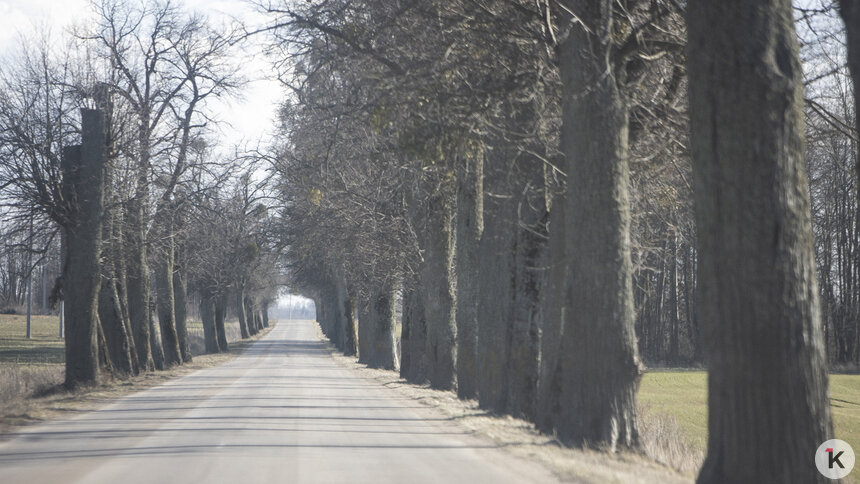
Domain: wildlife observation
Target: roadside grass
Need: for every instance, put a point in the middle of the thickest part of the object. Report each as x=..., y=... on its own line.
x=31, y=372
x=681, y=395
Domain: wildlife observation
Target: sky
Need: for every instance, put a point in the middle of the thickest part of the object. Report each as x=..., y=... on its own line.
x=251, y=115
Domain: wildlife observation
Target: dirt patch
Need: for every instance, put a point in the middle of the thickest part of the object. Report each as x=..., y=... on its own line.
x=520, y=437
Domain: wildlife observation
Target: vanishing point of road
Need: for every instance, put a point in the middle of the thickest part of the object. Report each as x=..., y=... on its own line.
x=283, y=411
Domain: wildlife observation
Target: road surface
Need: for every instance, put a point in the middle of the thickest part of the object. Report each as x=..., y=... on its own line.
x=283, y=411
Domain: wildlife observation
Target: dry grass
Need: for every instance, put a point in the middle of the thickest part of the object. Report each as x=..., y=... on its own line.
x=664, y=440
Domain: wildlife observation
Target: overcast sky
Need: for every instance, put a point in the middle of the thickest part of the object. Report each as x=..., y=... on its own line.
x=252, y=116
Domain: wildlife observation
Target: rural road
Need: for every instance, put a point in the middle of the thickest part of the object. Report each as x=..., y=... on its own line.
x=284, y=411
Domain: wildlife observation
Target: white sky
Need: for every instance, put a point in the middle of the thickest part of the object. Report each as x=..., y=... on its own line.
x=251, y=116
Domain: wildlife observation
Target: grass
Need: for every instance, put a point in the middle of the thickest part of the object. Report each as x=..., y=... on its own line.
x=45, y=347
x=683, y=395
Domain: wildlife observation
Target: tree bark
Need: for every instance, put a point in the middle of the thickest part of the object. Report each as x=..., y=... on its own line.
x=599, y=361
x=240, y=311
x=83, y=182
x=768, y=409
x=413, y=335
x=495, y=297
x=207, y=315
x=155, y=340
x=366, y=321
x=165, y=302
x=437, y=291
x=470, y=225
x=220, y=315
x=180, y=309
x=384, y=321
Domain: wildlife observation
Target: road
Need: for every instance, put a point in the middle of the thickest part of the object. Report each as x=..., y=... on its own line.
x=284, y=411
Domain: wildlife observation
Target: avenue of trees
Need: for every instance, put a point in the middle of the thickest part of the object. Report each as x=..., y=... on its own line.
x=109, y=179
x=546, y=195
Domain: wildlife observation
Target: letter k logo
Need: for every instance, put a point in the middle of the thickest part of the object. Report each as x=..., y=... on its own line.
x=834, y=459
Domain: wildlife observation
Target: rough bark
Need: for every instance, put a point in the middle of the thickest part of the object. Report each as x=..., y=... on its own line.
x=437, y=291
x=599, y=361
x=555, y=310
x=83, y=180
x=180, y=309
x=412, y=337
x=119, y=341
x=165, y=302
x=470, y=225
x=207, y=314
x=220, y=315
x=495, y=297
x=384, y=321
x=155, y=340
x=365, y=330
x=137, y=284
x=850, y=12
x=768, y=407
x=240, y=311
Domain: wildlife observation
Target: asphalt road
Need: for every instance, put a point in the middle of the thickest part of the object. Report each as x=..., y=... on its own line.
x=281, y=412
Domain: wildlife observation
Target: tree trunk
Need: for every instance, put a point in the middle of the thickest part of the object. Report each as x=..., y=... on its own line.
x=413, y=335
x=768, y=409
x=83, y=181
x=155, y=341
x=207, y=314
x=366, y=320
x=437, y=290
x=137, y=283
x=554, y=300
x=265, y=314
x=220, y=315
x=165, y=303
x=180, y=309
x=240, y=311
x=470, y=225
x=599, y=361
x=384, y=321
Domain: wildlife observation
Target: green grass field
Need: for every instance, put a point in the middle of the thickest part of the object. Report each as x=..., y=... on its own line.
x=683, y=395
x=44, y=347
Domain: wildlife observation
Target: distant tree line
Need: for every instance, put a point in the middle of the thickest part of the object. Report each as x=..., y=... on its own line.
x=107, y=160
x=552, y=192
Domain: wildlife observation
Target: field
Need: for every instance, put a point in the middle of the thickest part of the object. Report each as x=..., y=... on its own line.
x=683, y=395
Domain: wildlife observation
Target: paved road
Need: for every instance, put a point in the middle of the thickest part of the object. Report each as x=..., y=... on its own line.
x=282, y=412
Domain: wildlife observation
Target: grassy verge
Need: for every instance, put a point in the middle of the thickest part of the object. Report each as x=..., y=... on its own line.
x=30, y=391
x=681, y=396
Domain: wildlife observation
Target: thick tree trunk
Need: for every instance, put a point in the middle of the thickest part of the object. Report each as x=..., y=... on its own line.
x=437, y=290
x=412, y=338
x=220, y=315
x=599, y=361
x=180, y=309
x=365, y=330
x=137, y=283
x=119, y=341
x=265, y=314
x=240, y=311
x=83, y=182
x=155, y=341
x=165, y=303
x=768, y=408
x=470, y=225
x=384, y=321
x=554, y=301
x=207, y=314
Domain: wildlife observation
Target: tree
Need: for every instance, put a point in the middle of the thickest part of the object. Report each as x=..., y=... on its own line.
x=767, y=381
